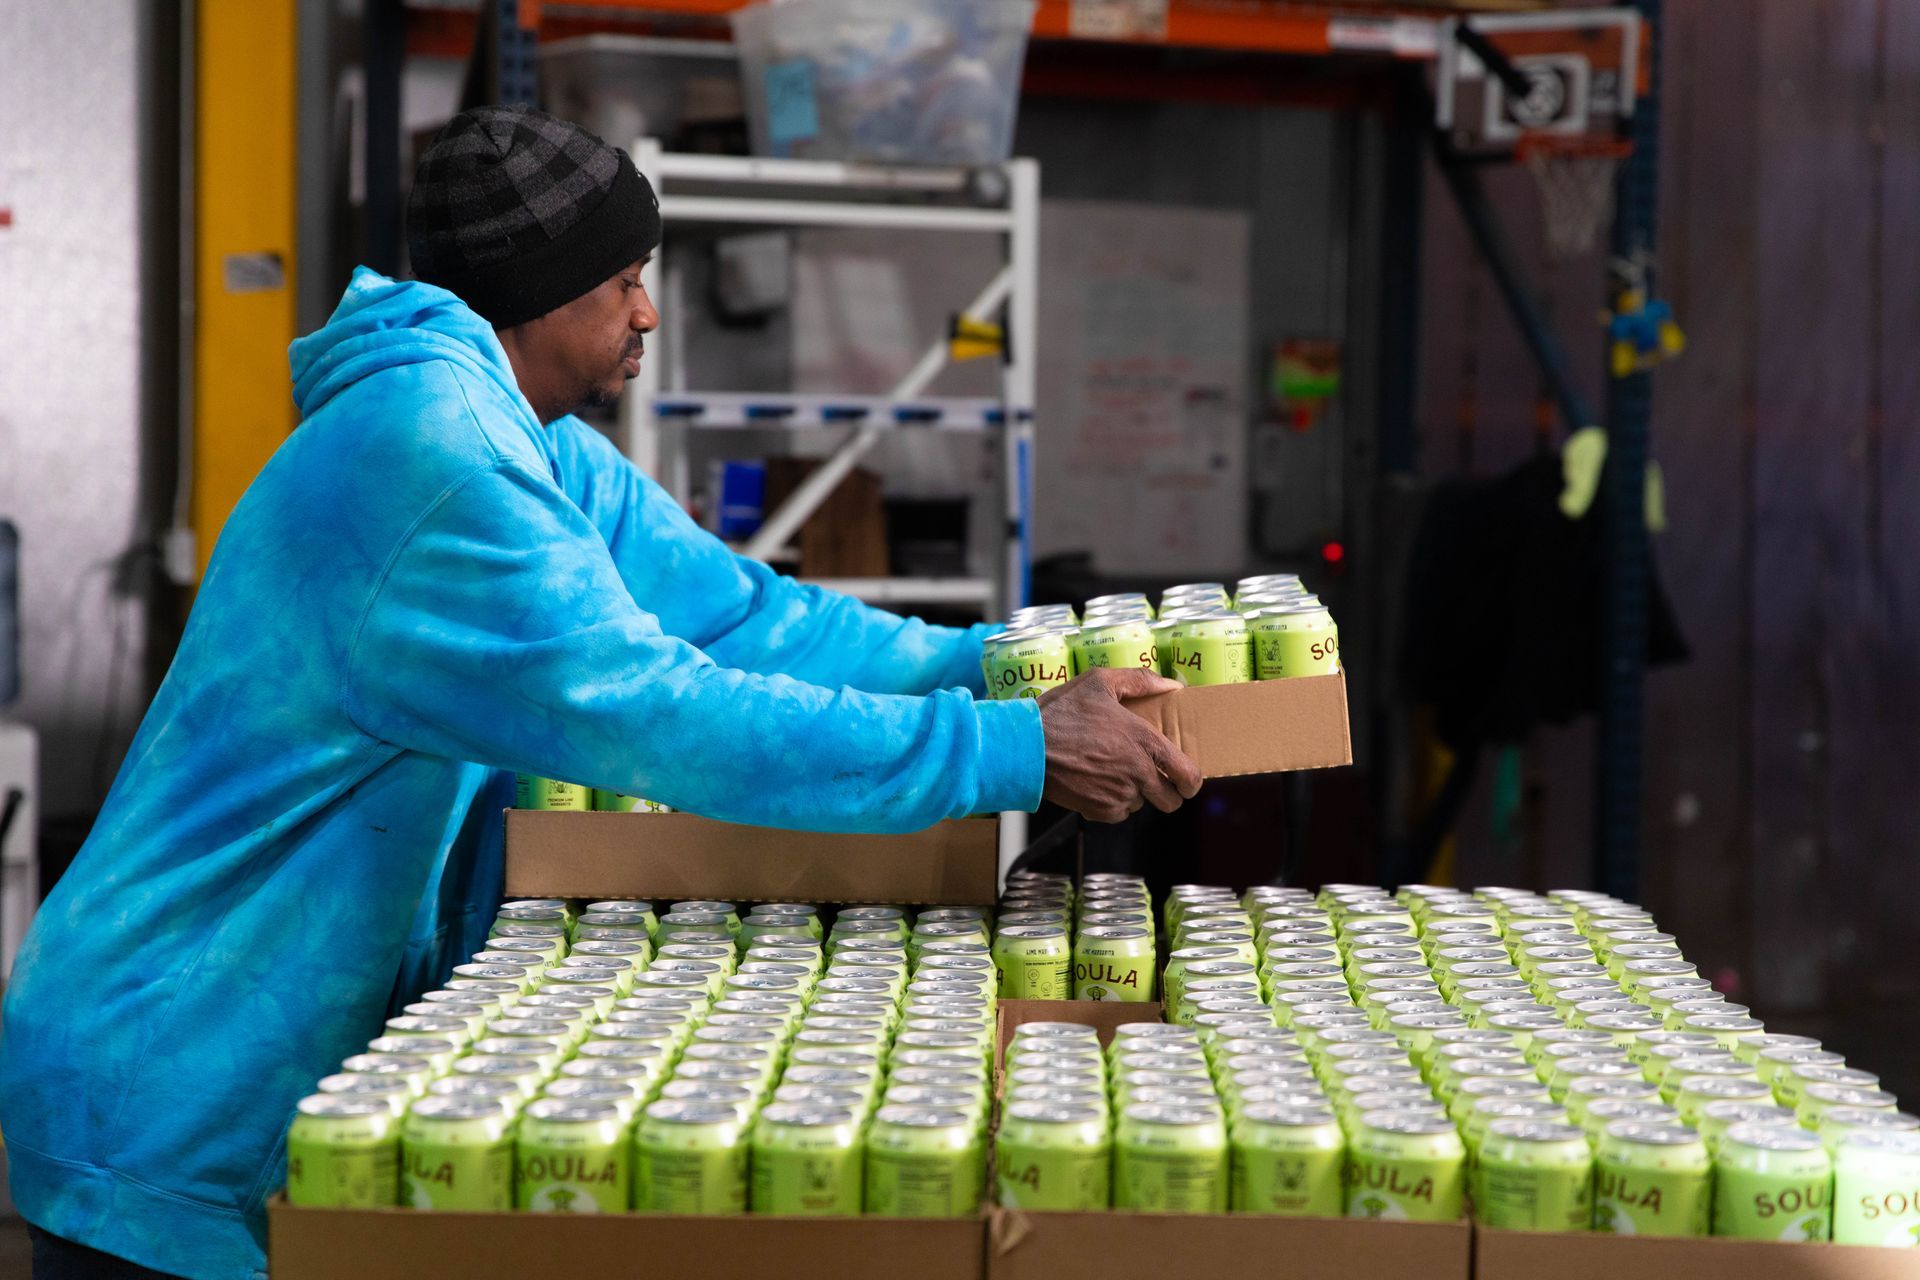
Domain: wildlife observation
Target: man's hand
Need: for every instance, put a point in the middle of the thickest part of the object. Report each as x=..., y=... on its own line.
x=1103, y=761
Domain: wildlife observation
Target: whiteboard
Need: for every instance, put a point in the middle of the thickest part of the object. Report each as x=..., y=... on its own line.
x=1141, y=414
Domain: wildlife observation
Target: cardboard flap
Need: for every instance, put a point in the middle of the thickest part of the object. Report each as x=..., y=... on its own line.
x=678, y=855
x=1270, y=726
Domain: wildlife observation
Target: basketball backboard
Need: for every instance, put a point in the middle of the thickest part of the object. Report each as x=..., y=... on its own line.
x=1582, y=69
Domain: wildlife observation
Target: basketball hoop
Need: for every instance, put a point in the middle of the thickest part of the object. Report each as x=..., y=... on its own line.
x=1575, y=175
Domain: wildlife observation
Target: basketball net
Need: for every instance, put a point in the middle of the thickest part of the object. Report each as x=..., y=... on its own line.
x=1575, y=177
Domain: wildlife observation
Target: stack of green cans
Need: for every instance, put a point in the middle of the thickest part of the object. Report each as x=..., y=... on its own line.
x=603, y=1058
x=1267, y=628
x=550, y=793
x=1053, y=942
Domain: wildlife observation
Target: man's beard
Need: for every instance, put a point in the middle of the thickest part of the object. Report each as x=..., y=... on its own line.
x=600, y=396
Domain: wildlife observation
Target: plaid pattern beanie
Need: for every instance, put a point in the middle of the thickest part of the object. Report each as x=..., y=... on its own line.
x=518, y=213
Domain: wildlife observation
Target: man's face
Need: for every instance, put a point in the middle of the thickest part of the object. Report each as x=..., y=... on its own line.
x=594, y=343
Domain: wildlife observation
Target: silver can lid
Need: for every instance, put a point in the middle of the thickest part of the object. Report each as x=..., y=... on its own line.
x=341, y=1104
x=572, y=1110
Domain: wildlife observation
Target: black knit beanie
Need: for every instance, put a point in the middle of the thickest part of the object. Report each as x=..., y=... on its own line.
x=519, y=213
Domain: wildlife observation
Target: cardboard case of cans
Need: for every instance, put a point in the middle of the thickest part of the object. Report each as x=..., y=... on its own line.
x=1264, y=689
x=1551, y=1063
x=640, y=1075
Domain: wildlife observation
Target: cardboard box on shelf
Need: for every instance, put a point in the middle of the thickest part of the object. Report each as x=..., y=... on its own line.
x=678, y=855
x=402, y=1244
x=1270, y=726
x=1120, y=1245
x=1528, y=1255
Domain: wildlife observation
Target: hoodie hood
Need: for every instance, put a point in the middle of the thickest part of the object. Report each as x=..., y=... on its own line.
x=382, y=324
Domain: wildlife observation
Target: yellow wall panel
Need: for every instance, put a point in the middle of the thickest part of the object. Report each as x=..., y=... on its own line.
x=244, y=257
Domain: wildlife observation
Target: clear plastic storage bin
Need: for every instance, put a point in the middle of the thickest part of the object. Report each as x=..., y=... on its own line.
x=883, y=81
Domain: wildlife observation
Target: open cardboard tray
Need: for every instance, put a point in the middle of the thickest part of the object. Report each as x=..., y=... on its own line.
x=1528, y=1255
x=1269, y=726
x=679, y=856
x=406, y=1244
x=1119, y=1245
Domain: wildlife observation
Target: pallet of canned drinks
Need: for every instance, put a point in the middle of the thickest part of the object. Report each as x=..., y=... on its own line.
x=1265, y=694
x=1324, y=1078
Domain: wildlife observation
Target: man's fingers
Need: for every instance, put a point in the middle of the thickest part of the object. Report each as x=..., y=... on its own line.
x=1176, y=764
x=1159, y=792
x=1134, y=682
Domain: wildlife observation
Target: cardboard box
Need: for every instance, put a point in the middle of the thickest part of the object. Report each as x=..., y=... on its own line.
x=1172, y=1246
x=1270, y=726
x=1527, y=1255
x=1119, y=1245
x=679, y=856
x=402, y=1244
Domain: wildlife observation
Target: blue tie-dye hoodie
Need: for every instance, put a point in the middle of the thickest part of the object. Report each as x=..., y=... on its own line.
x=424, y=590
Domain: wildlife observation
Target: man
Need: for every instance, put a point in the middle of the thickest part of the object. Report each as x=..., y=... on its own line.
x=440, y=579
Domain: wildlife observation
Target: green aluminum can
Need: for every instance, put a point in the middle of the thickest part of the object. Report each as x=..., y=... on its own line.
x=1876, y=1189
x=923, y=1162
x=393, y=1091
x=1781, y=1070
x=1835, y=1123
x=438, y=1053
x=414, y=1070
x=1405, y=1166
x=1051, y=1156
x=1025, y=664
x=572, y=1156
x=1287, y=1160
x=806, y=1161
x=343, y=1152
x=503, y=1093
x=1121, y=644
x=1484, y=1111
x=1033, y=962
x=690, y=1158
x=1170, y=1159
x=1749, y=1048
x=1211, y=648
x=1696, y=1092
x=549, y=793
x=1113, y=962
x=1606, y=1111
x=1772, y=1183
x=1817, y=1099
x=1533, y=1176
x=1714, y=1118
x=1652, y=1180
x=1294, y=640
x=457, y=1155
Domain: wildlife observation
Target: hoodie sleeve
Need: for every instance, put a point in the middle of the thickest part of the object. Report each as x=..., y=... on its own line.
x=501, y=634
x=739, y=611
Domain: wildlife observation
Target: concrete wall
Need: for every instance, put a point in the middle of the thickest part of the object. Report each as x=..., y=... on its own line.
x=73, y=333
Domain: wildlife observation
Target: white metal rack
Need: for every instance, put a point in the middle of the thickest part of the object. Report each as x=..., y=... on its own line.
x=788, y=193
x=812, y=193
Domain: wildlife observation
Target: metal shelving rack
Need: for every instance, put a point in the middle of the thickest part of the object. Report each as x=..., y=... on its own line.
x=811, y=193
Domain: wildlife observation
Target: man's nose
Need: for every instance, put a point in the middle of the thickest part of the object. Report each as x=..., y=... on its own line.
x=645, y=319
